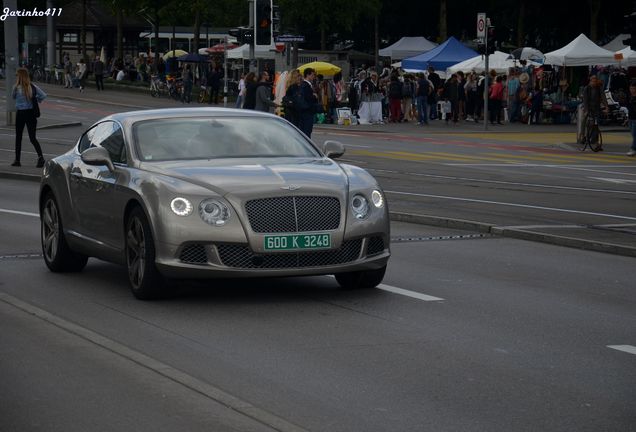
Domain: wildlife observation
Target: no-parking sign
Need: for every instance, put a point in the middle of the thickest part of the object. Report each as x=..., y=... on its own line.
x=481, y=25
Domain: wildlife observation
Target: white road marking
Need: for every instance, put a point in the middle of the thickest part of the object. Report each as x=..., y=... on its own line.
x=42, y=139
x=21, y=213
x=625, y=348
x=532, y=165
x=407, y=293
x=614, y=180
x=512, y=205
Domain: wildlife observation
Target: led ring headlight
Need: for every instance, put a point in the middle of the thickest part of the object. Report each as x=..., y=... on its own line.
x=376, y=197
x=181, y=206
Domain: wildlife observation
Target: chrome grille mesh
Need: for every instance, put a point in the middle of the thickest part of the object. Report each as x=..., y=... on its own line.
x=239, y=256
x=293, y=214
x=194, y=254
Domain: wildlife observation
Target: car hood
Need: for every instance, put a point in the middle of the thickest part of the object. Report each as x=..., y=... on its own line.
x=243, y=177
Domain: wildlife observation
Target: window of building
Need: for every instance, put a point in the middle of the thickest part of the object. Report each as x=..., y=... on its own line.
x=70, y=38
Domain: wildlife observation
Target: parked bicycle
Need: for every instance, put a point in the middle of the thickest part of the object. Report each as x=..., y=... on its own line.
x=157, y=87
x=591, y=136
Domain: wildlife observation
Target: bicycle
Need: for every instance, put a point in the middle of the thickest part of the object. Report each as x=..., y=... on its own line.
x=204, y=95
x=37, y=74
x=591, y=136
x=157, y=87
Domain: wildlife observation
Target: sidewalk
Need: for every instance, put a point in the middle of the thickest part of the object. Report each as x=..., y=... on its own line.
x=621, y=241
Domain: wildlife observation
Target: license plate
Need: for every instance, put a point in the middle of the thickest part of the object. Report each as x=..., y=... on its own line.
x=297, y=241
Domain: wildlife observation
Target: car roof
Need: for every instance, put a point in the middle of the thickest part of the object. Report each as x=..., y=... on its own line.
x=131, y=117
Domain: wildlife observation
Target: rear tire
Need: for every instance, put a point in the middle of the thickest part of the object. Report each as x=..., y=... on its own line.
x=154, y=92
x=58, y=256
x=361, y=279
x=146, y=283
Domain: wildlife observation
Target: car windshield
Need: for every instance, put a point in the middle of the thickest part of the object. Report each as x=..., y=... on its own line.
x=224, y=137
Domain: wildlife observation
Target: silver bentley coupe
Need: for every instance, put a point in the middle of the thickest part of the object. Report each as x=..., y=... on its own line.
x=201, y=193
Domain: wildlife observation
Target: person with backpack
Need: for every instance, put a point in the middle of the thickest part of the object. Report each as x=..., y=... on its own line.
x=407, y=98
x=421, y=98
x=395, y=99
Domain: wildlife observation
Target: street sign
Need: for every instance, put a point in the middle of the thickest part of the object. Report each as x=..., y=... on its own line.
x=290, y=38
x=481, y=25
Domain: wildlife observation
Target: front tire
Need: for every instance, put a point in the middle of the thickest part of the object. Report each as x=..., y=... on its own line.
x=361, y=279
x=146, y=283
x=58, y=256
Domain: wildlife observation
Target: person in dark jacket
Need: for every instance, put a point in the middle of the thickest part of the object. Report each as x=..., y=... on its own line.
x=250, y=91
x=308, y=99
x=451, y=94
x=264, y=93
x=289, y=100
x=395, y=99
x=98, y=71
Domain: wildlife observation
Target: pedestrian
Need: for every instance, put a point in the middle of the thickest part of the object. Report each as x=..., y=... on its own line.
x=408, y=91
x=213, y=82
x=241, y=92
x=188, y=80
x=68, y=74
x=495, y=98
x=395, y=99
x=81, y=73
x=451, y=94
x=250, y=91
x=27, y=96
x=434, y=78
x=513, y=102
x=421, y=98
x=264, y=93
x=461, y=96
x=631, y=107
x=470, y=88
x=307, y=102
x=292, y=93
x=98, y=70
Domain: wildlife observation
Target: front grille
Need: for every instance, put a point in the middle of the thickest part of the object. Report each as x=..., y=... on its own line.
x=376, y=246
x=293, y=214
x=239, y=256
x=194, y=254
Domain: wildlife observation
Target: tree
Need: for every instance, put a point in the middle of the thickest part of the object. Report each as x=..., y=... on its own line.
x=443, y=21
x=595, y=9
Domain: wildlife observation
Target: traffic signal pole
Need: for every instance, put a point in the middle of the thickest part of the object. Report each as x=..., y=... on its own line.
x=252, y=68
x=486, y=83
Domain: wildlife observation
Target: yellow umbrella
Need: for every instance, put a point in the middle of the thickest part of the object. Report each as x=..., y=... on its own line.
x=322, y=68
x=175, y=53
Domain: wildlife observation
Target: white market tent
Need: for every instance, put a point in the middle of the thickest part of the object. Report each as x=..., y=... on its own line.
x=243, y=52
x=616, y=44
x=580, y=52
x=629, y=57
x=407, y=47
x=497, y=61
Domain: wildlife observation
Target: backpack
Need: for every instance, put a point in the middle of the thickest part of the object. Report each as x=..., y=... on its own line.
x=407, y=90
x=423, y=87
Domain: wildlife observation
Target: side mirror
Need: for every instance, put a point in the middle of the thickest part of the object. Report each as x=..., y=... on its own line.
x=97, y=156
x=333, y=149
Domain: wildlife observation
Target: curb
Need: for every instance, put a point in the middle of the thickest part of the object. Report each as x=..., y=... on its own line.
x=557, y=240
x=60, y=125
x=20, y=176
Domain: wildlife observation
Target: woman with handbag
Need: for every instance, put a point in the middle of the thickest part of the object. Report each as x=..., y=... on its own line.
x=27, y=96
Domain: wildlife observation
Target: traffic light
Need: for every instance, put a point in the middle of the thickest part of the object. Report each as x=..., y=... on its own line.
x=243, y=35
x=275, y=20
x=630, y=27
x=263, y=22
x=491, y=45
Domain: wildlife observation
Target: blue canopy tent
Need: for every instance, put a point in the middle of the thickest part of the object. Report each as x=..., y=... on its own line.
x=441, y=57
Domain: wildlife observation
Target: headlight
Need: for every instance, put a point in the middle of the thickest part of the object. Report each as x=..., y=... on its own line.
x=181, y=206
x=376, y=197
x=214, y=212
x=360, y=206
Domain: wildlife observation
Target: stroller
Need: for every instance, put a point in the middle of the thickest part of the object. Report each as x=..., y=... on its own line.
x=615, y=113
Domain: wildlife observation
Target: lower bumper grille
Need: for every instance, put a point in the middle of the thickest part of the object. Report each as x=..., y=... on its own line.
x=376, y=246
x=239, y=256
x=194, y=254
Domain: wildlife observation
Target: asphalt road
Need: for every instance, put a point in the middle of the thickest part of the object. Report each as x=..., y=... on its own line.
x=467, y=333
x=513, y=177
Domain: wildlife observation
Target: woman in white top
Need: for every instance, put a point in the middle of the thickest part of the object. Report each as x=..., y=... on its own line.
x=81, y=72
x=241, y=92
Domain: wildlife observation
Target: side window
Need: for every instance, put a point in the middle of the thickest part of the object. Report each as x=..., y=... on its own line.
x=109, y=136
x=85, y=142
